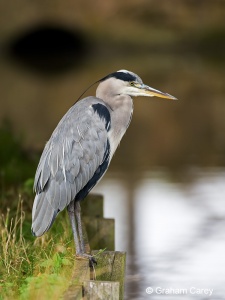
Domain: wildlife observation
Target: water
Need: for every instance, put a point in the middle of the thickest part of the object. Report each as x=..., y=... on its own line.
x=173, y=234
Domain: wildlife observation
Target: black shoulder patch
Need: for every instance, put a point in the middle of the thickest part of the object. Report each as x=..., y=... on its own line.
x=103, y=113
x=97, y=175
x=120, y=75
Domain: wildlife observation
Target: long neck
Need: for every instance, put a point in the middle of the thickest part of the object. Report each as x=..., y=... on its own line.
x=111, y=91
x=122, y=110
x=121, y=114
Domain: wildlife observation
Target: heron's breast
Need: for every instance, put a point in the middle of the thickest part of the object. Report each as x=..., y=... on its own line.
x=115, y=136
x=120, y=121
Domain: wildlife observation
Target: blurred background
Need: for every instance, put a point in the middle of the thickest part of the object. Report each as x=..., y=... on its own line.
x=165, y=185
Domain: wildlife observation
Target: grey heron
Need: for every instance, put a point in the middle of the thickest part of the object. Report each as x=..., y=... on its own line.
x=80, y=149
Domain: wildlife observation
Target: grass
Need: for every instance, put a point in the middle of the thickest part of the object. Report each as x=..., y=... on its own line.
x=33, y=268
x=30, y=268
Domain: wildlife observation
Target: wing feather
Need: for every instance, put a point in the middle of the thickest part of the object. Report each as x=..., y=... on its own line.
x=63, y=196
x=69, y=161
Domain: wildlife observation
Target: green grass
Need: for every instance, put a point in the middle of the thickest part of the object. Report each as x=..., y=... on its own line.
x=30, y=268
x=33, y=268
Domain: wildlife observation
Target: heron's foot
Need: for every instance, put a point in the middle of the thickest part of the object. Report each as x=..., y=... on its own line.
x=91, y=258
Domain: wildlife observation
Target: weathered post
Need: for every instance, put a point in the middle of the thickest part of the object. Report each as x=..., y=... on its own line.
x=106, y=280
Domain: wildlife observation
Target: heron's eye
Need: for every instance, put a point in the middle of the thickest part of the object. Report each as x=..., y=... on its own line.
x=132, y=83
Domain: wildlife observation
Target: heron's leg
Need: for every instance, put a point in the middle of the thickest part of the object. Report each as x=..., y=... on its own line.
x=79, y=225
x=71, y=211
x=92, y=260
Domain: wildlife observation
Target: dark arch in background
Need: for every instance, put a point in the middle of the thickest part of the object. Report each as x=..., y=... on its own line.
x=49, y=48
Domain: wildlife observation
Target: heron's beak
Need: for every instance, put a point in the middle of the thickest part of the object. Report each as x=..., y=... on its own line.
x=148, y=91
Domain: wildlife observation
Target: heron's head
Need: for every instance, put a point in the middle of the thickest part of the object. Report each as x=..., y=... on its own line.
x=124, y=82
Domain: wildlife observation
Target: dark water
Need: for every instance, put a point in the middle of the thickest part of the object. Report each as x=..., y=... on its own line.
x=174, y=234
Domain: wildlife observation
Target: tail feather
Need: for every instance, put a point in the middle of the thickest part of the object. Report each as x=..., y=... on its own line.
x=43, y=214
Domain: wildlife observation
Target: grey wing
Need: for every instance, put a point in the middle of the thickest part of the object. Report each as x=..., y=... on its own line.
x=74, y=159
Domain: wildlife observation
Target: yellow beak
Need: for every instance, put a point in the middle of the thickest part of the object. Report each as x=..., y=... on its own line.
x=148, y=91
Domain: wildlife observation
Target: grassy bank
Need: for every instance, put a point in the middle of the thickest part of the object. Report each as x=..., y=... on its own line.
x=30, y=268
x=33, y=268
